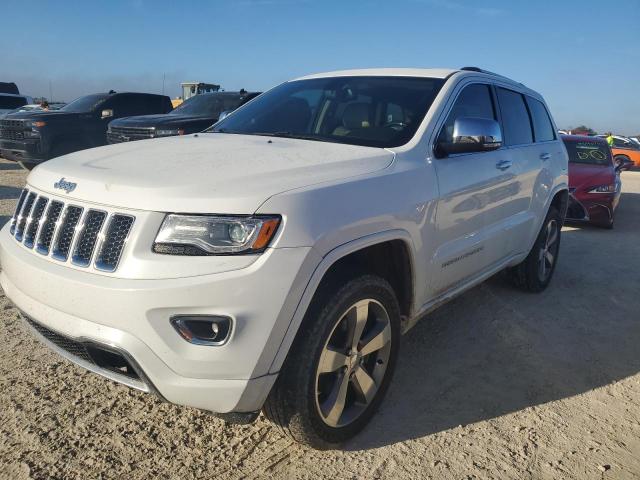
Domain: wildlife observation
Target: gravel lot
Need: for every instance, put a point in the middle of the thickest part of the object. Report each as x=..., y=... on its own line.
x=496, y=384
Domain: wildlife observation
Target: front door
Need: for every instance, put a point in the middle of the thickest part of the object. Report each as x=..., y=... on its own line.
x=477, y=199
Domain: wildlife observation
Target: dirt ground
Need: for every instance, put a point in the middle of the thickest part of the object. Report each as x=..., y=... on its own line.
x=496, y=384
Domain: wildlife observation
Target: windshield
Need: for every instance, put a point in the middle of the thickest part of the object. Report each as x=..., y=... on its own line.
x=593, y=153
x=368, y=111
x=11, y=103
x=84, y=104
x=207, y=104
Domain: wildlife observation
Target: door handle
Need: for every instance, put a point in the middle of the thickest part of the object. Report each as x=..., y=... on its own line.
x=545, y=156
x=503, y=164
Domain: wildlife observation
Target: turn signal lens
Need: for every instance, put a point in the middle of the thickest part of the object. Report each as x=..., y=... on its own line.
x=269, y=227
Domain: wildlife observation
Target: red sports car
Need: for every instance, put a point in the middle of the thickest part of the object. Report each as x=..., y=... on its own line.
x=594, y=180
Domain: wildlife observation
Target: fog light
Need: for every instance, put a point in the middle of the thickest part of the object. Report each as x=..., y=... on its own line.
x=203, y=329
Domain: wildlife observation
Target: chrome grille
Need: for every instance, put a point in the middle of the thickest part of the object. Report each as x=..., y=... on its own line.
x=25, y=211
x=127, y=134
x=33, y=222
x=62, y=244
x=49, y=227
x=10, y=134
x=88, y=237
x=12, y=129
x=115, y=238
x=70, y=232
x=23, y=195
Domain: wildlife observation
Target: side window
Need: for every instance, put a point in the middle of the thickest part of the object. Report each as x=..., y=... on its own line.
x=542, y=126
x=121, y=105
x=129, y=105
x=515, y=118
x=474, y=101
x=620, y=143
x=231, y=103
x=146, y=104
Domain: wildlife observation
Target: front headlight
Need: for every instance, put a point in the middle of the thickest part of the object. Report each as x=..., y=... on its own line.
x=34, y=131
x=214, y=235
x=603, y=189
x=169, y=133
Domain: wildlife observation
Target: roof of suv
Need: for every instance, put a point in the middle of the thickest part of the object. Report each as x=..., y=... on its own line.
x=387, y=72
x=130, y=93
x=442, y=73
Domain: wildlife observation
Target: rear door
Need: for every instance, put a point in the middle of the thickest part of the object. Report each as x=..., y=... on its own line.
x=476, y=198
x=531, y=139
x=526, y=157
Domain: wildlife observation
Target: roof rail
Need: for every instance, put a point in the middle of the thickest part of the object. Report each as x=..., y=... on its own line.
x=487, y=72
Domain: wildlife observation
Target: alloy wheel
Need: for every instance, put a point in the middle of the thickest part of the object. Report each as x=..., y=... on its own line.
x=353, y=363
x=549, y=250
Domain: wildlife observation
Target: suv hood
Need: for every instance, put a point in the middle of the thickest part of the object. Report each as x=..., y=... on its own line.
x=164, y=120
x=205, y=173
x=50, y=115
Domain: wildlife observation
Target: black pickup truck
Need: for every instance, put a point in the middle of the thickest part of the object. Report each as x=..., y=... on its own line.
x=194, y=115
x=33, y=137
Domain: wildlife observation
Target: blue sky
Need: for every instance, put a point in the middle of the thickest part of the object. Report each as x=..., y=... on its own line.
x=583, y=56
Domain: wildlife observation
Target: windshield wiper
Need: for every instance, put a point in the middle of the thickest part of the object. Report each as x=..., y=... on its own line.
x=220, y=130
x=273, y=134
x=291, y=135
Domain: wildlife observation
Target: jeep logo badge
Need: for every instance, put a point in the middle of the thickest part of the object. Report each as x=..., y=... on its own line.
x=62, y=184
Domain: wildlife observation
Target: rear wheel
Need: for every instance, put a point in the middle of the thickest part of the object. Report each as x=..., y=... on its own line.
x=340, y=365
x=535, y=271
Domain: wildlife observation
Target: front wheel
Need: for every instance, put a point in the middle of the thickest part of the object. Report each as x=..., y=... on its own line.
x=535, y=271
x=340, y=365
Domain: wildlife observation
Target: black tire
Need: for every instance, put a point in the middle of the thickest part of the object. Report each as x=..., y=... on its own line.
x=294, y=402
x=609, y=225
x=528, y=274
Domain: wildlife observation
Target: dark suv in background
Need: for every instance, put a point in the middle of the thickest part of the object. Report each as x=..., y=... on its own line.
x=33, y=137
x=194, y=115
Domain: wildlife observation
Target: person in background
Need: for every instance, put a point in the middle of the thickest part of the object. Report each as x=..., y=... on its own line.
x=610, y=139
x=44, y=105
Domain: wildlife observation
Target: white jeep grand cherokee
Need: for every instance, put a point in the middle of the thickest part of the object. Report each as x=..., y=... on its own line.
x=273, y=261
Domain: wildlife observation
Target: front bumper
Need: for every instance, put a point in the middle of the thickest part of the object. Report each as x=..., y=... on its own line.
x=22, y=151
x=593, y=208
x=132, y=316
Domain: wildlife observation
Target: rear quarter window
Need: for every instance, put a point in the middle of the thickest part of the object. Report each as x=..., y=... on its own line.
x=515, y=117
x=542, y=126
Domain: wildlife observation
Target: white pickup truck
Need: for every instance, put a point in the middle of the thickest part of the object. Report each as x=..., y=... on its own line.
x=272, y=262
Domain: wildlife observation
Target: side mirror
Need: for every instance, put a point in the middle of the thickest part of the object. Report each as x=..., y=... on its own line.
x=224, y=114
x=107, y=113
x=472, y=134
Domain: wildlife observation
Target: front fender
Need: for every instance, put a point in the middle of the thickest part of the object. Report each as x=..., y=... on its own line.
x=322, y=268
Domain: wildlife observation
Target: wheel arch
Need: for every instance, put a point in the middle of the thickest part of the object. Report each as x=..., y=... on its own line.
x=560, y=201
x=388, y=254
